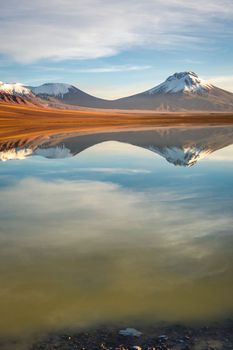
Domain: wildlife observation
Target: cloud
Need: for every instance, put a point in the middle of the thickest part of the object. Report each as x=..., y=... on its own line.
x=190, y=61
x=112, y=69
x=107, y=69
x=61, y=29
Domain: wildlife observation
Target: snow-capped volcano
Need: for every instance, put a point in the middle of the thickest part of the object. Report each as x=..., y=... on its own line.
x=180, y=92
x=57, y=93
x=52, y=89
x=187, y=82
x=17, y=93
x=15, y=89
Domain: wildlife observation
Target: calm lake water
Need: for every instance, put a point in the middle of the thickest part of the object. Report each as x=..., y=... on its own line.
x=121, y=227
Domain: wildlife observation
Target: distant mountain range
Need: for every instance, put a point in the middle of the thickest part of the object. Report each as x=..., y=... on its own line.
x=181, y=147
x=183, y=91
x=56, y=94
x=17, y=93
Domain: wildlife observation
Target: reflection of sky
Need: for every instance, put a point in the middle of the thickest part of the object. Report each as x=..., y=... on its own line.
x=76, y=233
x=128, y=166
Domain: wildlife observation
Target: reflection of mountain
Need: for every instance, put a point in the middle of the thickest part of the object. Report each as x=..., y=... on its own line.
x=183, y=147
x=57, y=152
x=15, y=153
x=183, y=156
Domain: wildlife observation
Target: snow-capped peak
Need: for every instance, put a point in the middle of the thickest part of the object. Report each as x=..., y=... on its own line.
x=15, y=89
x=187, y=82
x=52, y=89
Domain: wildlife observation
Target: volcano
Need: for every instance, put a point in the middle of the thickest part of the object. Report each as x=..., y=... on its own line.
x=183, y=92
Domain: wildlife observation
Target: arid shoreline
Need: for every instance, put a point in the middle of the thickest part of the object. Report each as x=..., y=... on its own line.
x=209, y=336
x=24, y=121
x=172, y=337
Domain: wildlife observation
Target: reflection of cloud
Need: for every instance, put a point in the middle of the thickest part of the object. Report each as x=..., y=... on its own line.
x=100, y=209
x=80, y=252
x=123, y=171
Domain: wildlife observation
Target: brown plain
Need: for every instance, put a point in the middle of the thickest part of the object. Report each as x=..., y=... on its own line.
x=25, y=121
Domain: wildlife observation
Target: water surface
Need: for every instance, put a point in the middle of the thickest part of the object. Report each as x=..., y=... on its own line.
x=121, y=227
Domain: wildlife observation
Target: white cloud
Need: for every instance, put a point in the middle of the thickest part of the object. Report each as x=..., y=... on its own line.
x=112, y=69
x=61, y=29
x=103, y=69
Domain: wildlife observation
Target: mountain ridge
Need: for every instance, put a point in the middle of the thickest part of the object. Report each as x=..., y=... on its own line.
x=180, y=92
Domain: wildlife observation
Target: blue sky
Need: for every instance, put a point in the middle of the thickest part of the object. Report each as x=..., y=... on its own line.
x=113, y=49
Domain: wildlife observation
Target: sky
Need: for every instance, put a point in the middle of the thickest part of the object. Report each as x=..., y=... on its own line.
x=115, y=48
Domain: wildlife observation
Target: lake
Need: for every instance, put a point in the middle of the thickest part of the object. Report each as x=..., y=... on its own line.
x=116, y=228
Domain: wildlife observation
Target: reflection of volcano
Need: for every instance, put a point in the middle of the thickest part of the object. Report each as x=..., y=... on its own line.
x=183, y=147
x=15, y=153
x=183, y=156
x=57, y=152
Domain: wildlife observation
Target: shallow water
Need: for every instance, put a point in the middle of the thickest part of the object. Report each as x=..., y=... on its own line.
x=116, y=228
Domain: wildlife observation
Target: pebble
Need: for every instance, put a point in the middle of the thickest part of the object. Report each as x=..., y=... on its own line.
x=132, y=332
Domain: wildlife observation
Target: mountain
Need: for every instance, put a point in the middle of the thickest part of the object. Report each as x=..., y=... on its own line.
x=180, y=147
x=53, y=89
x=58, y=93
x=17, y=93
x=183, y=91
x=185, y=82
x=14, y=89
